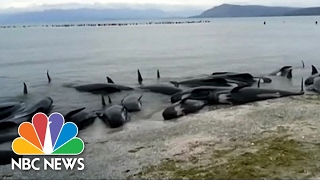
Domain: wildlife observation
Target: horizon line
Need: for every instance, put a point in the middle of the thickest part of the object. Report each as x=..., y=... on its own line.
x=160, y=6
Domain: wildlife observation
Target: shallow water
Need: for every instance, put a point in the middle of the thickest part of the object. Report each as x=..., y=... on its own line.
x=87, y=55
x=77, y=56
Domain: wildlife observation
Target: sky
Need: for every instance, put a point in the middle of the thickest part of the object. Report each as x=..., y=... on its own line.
x=203, y=4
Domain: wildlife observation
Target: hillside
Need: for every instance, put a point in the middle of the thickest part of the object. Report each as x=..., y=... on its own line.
x=102, y=14
x=305, y=12
x=228, y=10
x=90, y=14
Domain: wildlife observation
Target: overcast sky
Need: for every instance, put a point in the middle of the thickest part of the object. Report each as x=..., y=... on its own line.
x=4, y=4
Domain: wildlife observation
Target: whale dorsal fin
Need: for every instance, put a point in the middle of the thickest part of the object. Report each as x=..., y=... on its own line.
x=122, y=102
x=139, y=77
x=236, y=89
x=140, y=97
x=259, y=81
x=71, y=113
x=109, y=80
x=314, y=70
x=109, y=99
x=48, y=76
x=303, y=64
x=25, y=89
x=289, y=75
x=103, y=102
x=284, y=68
x=158, y=74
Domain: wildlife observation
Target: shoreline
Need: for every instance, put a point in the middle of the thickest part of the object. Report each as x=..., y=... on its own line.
x=131, y=154
x=103, y=24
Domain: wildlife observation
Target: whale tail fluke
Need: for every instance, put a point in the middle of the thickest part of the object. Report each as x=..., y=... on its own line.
x=158, y=74
x=109, y=80
x=48, y=77
x=25, y=88
x=314, y=70
x=139, y=77
x=289, y=75
x=175, y=83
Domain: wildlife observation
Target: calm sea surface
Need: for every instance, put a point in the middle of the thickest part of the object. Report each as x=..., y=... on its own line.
x=83, y=55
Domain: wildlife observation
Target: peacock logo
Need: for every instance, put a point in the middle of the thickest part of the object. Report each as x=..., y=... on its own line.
x=48, y=136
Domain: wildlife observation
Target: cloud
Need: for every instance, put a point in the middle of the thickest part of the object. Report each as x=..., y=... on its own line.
x=98, y=5
x=24, y=4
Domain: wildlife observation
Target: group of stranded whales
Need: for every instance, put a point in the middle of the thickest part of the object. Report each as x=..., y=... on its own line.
x=186, y=97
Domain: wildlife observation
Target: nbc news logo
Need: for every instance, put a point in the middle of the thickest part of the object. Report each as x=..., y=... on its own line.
x=48, y=136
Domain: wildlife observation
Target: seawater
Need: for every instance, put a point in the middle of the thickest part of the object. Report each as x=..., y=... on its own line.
x=82, y=55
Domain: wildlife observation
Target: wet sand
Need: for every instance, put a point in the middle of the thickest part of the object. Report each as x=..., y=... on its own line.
x=123, y=154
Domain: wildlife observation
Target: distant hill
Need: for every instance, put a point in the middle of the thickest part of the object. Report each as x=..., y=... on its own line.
x=87, y=14
x=57, y=15
x=305, y=12
x=229, y=10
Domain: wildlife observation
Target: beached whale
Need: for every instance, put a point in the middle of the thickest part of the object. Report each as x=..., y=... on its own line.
x=80, y=117
x=118, y=86
x=99, y=88
x=160, y=88
x=7, y=155
x=205, y=81
x=197, y=93
x=9, y=134
x=132, y=103
x=114, y=116
x=314, y=74
x=44, y=106
x=225, y=79
x=8, y=108
x=181, y=108
x=243, y=77
x=281, y=72
x=243, y=95
x=157, y=88
x=315, y=86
